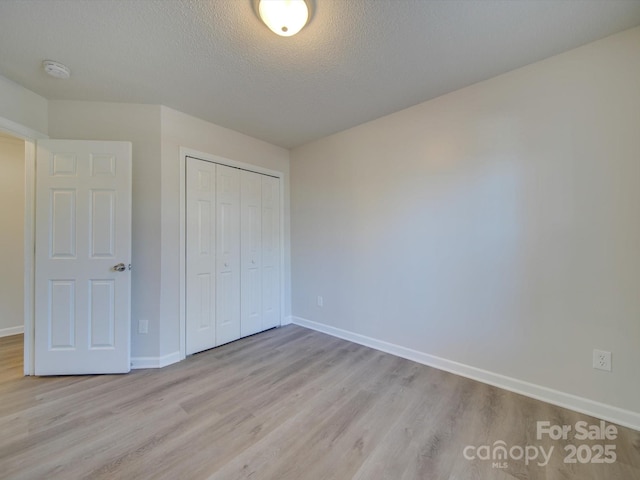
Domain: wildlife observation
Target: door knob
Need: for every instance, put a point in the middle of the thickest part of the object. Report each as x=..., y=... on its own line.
x=121, y=267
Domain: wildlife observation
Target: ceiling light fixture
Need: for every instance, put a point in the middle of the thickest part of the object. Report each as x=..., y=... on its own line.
x=284, y=17
x=56, y=69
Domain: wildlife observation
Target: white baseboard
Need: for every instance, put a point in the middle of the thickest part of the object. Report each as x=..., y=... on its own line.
x=286, y=321
x=7, y=332
x=626, y=418
x=154, y=362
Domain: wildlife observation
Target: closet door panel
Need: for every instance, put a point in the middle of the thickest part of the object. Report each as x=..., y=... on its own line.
x=270, y=252
x=251, y=257
x=227, y=254
x=200, y=262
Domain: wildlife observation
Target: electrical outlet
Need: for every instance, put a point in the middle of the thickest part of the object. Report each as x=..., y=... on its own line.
x=143, y=327
x=320, y=301
x=602, y=360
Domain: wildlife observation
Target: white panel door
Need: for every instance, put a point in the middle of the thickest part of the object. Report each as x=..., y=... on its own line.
x=83, y=251
x=227, y=254
x=270, y=252
x=201, y=255
x=251, y=257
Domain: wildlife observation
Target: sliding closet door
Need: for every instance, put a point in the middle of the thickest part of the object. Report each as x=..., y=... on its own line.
x=251, y=257
x=201, y=267
x=228, y=254
x=270, y=252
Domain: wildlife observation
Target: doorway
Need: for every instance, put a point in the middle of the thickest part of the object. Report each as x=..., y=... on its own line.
x=12, y=258
x=28, y=137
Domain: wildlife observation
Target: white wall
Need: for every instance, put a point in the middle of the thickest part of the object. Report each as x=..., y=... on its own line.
x=139, y=124
x=11, y=235
x=181, y=130
x=497, y=226
x=22, y=106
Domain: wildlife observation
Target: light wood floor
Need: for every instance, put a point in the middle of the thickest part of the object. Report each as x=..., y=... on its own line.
x=288, y=404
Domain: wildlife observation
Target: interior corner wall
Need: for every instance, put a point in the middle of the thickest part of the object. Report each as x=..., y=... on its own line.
x=23, y=107
x=496, y=226
x=11, y=235
x=182, y=130
x=139, y=124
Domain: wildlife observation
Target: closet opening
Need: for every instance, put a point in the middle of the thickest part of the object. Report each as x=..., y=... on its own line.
x=232, y=236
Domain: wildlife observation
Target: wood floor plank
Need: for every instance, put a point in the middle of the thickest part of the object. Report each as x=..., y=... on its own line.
x=289, y=403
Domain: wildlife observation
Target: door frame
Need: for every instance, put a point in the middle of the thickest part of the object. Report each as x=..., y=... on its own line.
x=207, y=157
x=30, y=138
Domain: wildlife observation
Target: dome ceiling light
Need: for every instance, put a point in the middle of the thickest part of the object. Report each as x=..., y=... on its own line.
x=284, y=17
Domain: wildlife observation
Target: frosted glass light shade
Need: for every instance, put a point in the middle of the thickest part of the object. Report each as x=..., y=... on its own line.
x=284, y=17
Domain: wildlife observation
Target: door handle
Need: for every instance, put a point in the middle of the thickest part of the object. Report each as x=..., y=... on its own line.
x=121, y=267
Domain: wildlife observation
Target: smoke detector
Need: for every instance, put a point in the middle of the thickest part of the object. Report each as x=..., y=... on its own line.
x=56, y=69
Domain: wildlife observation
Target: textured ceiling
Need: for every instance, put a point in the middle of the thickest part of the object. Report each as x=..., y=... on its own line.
x=357, y=59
